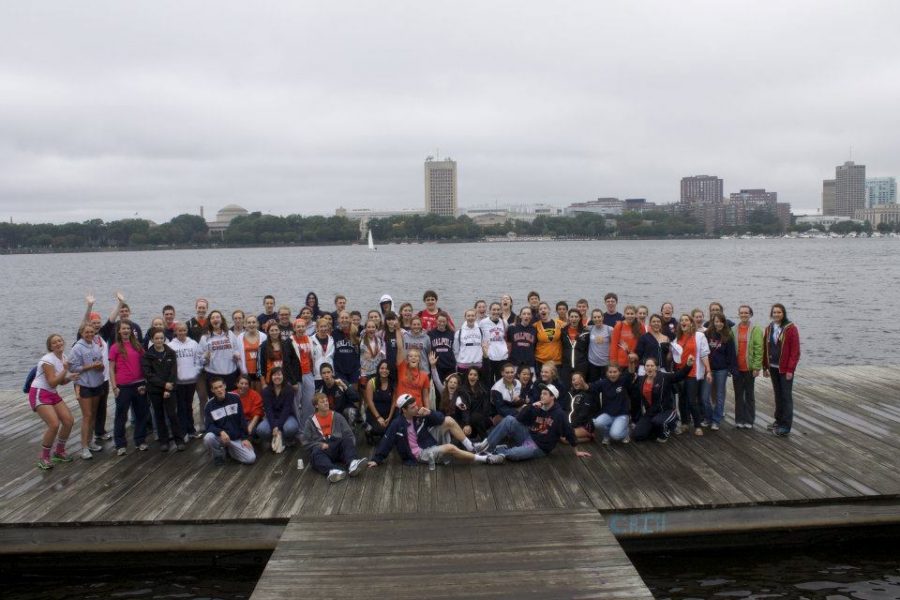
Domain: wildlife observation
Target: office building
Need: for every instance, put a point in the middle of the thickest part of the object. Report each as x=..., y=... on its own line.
x=828, y=193
x=849, y=188
x=440, y=187
x=880, y=190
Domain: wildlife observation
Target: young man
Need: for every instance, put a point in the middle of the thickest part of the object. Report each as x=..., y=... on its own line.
x=534, y=302
x=226, y=427
x=535, y=431
x=268, y=312
x=329, y=440
x=413, y=431
x=340, y=305
x=611, y=316
x=122, y=312
x=168, y=313
x=582, y=307
x=562, y=310
x=431, y=312
x=493, y=334
x=341, y=398
x=284, y=324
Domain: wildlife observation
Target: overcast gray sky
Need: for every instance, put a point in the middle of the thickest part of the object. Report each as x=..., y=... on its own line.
x=108, y=109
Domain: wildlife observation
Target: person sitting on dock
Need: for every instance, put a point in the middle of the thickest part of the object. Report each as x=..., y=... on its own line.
x=535, y=431
x=226, y=427
x=655, y=390
x=330, y=441
x=342, y=398
x=413, y=433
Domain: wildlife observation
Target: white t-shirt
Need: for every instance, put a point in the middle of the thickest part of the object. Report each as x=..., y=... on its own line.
x=40, y=380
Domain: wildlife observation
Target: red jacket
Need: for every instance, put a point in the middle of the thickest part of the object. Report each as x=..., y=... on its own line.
x=789, y=340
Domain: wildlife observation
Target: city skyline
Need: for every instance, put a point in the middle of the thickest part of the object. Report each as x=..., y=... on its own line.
x=306, y=108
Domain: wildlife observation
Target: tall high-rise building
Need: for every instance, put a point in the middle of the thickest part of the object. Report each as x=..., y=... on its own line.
x=880, y=190
x=701, y=189
x=849, y=188
x=828, y=196
x=440, y=187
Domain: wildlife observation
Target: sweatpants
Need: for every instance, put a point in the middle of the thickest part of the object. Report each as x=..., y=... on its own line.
x=656, y=426
x=166, y=411
x=234, y=448
x=744, y=398
x=340, y=450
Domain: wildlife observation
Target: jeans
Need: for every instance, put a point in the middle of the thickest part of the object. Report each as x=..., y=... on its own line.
x=744, y=398
x=688, y=402
x=610, y=426
x=234, y=448
x=714, y=408
x=288, y=433
x=783, y=389
x=130, y=398
x=524, y=448
x=340, y=450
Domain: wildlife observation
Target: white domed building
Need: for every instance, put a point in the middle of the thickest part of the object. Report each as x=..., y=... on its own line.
x=223, y=219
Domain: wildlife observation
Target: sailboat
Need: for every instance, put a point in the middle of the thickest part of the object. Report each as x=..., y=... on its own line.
x=371, y=242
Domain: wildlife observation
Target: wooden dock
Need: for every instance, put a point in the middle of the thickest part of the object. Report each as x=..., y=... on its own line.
x=839, y=468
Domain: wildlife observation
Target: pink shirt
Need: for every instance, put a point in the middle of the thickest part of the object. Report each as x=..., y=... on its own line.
x=413, y=438
x=128, y=365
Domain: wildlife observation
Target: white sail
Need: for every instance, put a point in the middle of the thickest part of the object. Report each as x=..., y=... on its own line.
x=371, y=241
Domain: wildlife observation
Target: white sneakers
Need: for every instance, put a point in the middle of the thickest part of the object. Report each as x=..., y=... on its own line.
x=86, y=454
x=336, y=475
x=358, y=466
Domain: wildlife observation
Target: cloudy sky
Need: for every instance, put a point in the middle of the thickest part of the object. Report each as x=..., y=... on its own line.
x=108, y=109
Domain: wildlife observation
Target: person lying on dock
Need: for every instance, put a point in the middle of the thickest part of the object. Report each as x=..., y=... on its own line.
x=414, y=431
x=534, y=432
x=226, y=427
x=329, y=439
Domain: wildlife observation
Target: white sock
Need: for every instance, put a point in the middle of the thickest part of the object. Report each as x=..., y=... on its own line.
x=467, y=444
x=480, y=458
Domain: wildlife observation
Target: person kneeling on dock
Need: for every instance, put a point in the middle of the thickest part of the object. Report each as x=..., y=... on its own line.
x=226, y=427
x=330, y=441
x=413, y=434
x=535, y=431
x=655, y=391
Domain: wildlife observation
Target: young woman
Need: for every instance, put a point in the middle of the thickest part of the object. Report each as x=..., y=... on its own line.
x=87, y=361
x=506, y=309
x=322, y=348
x=278, y=404
x=670, y=323
x=655, y=389
x=477, y=405
x=221, y=351
x=642, y=313
x=312, y=303
x=416, y=337
x=749, y=341
x=391, y=326
x=306, y=390
x=379, y=402
x=306, y=314
x=189, y=371
x=275, y=353
x=575, y=340
x=468, y=344
x=371, y=353
x=548, y=346
x=493, y=331
x=525, y=375
x=781, y=353
x=441, y=340
x=616, y=410
x=722, y=363
x=600, y=335
x=249, y=342
x=412, y=375
x=522, y=339
x=548, y=375
x=375, y=316
x=654, y=344
x=345, y=359
x=237, y=322
x=159, y=364
x=506, y=394
x=155, y=323
x=52, y=371
x=480, y=307
x=406, y=315
x=690, y=342
x=251, y=403
x=127, y=384
x=624, y=338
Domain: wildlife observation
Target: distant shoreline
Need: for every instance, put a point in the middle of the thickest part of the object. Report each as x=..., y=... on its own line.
x=485, y=240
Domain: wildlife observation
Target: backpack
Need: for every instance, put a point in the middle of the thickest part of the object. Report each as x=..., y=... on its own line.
x=29, y=379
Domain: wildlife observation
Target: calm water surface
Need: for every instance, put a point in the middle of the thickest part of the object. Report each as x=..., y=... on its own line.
x=835, y=290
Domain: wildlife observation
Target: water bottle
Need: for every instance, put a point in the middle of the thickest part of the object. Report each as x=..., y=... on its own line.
x=431, y=465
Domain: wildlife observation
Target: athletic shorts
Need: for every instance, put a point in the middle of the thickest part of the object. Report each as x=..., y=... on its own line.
x=434, y=451
x=90, y=392
x=41, y=397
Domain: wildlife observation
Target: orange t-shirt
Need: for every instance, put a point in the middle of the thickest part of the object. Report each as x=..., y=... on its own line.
x=251, y=354
x=621, y=333
x=252, y=404
x=275, y=361
x=688, y=345
x=647, y=390
x=743, y=338
x=325, y=423
x=305, y=352
x=412, y=383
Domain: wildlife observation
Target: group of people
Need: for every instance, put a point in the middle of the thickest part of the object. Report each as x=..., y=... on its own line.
x=502, y=385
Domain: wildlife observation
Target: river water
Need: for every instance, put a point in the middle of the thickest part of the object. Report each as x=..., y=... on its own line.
x=840, y=292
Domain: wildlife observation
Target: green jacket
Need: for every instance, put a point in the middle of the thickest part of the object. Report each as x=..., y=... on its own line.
x=754, y=346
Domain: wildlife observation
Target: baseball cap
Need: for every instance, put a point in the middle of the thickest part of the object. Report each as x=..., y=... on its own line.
x=550, y=388
x=403, y=400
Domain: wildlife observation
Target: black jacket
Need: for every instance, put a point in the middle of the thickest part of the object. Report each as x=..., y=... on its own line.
x=159, y=370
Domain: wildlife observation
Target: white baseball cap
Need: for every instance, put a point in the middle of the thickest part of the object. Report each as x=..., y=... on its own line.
x=403, y=400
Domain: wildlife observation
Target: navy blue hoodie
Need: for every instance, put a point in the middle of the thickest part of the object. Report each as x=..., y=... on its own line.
x=395, y=437
x=346, y=357
x=442, y=346
x=722, y=355
x=616, y=398
x=226, y=415
x=547, y=427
